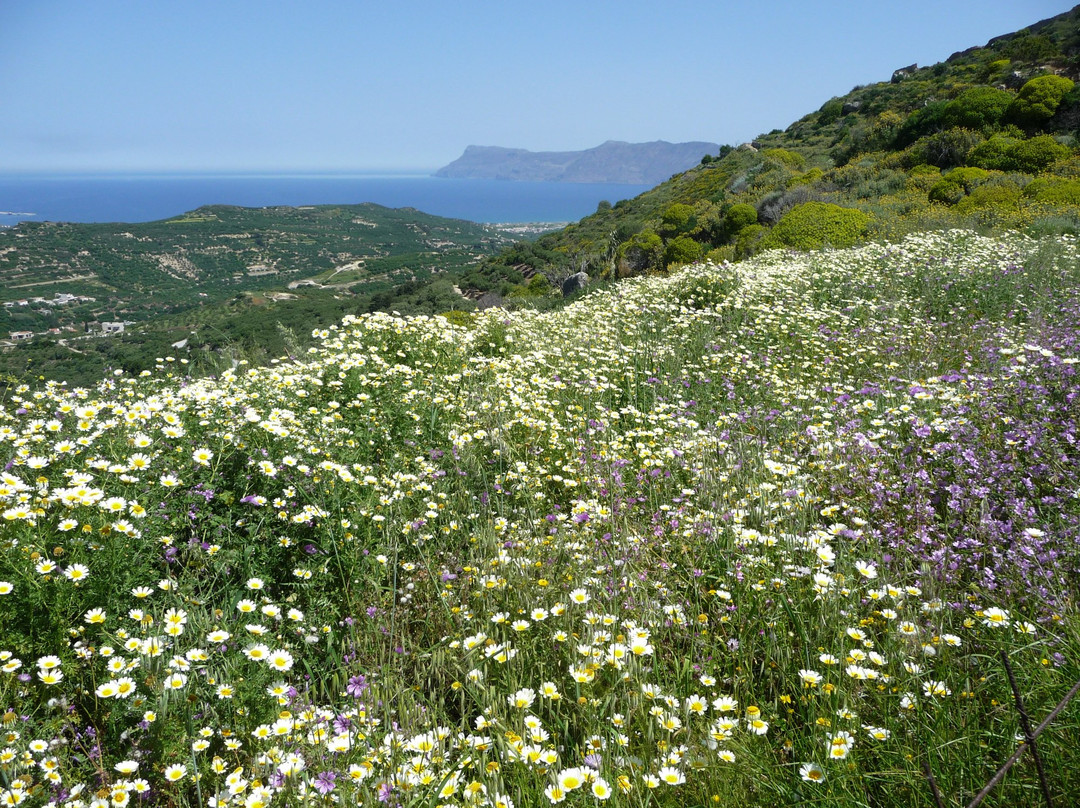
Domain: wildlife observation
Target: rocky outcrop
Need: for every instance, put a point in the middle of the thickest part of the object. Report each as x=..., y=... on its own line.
x=575, y=283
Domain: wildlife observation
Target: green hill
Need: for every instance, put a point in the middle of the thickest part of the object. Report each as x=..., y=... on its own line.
x=986, y=139
x=213, y=279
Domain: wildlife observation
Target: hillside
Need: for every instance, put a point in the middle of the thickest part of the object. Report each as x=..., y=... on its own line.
x=612, y=161
x=986, y=139
x=777, y=532
x=212, y=278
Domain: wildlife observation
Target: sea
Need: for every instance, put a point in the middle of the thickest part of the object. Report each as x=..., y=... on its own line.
x=151, y=197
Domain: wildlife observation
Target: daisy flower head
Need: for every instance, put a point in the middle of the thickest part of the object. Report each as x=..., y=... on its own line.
x=580, y=597
x=866, y=569
x=995, y=617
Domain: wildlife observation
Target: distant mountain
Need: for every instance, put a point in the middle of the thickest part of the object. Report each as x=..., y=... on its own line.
x=613, y=161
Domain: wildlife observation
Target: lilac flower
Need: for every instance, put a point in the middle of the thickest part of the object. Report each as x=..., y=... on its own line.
x=356, y=686
x=324, y=782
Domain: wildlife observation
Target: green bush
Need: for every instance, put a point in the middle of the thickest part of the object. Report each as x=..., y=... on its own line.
x=1002, y=197
x=1054, y=191
x=1038, y=100
x=812, y=225
x=807, y=178
x=682, y=250
x=748, y=239
x=946, y=149
x=642, y=253
x=979, y=108
x=460, y=318
x=957, y=184
x=921, y=122
x=790, y=159
x=1003, y=153
x=737, y=217
x=1030, y=48
x=994, y=153
x=1035, y=154
x=830, y=111
x=677, y=219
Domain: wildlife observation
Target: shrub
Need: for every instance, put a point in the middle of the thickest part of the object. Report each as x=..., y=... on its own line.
x=737, y=217
x=773, y=206
x=807, y=178
x=790, y=159
x=978, y=108
x=1030, y=48
x=682, y=250
x=1054, y=191
x=677, y=219
x=720, y=255
x=1035, y=154
x=748, y=239
x=955, y=185
x=830, y=111
x=1038, y=100
x=1001, y=197
x=1003, y=153
x=921, y=122
x=641, y=253
x=460, y=318
x=812, y=225
x=946, y=149
x=993, y=154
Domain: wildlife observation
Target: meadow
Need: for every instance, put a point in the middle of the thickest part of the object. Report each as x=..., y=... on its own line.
x=749, y=534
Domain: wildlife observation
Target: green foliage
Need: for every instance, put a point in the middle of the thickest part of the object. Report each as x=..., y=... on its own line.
x=1037, y=153
x=978, y=108
x=677, y=219
x=738, y=217
x=1038, y=100
x=806, y=178
x=953, y=186
x=1054, y=191
x=465, y=319
x=947, y=148
x=748, y=239
x=1000, y=196
x=1004, y=153
x=830, y=111
x=642, y=253
x=813, y=225
x=929, y=118
x=682, y=250
x=787, y=158
x=994, y=153
x=1030, y=48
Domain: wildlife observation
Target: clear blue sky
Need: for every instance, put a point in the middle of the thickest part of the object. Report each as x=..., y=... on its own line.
x=309, y=85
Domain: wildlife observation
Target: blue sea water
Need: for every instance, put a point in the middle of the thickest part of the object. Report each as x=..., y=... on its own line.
x=144, y=198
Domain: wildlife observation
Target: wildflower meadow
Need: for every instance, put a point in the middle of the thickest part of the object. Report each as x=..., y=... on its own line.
x=751, y=534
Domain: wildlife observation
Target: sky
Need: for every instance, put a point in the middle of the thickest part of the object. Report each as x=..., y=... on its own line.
x=353, y=85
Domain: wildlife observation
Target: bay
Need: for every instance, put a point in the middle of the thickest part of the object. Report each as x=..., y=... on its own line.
x=146, y=197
